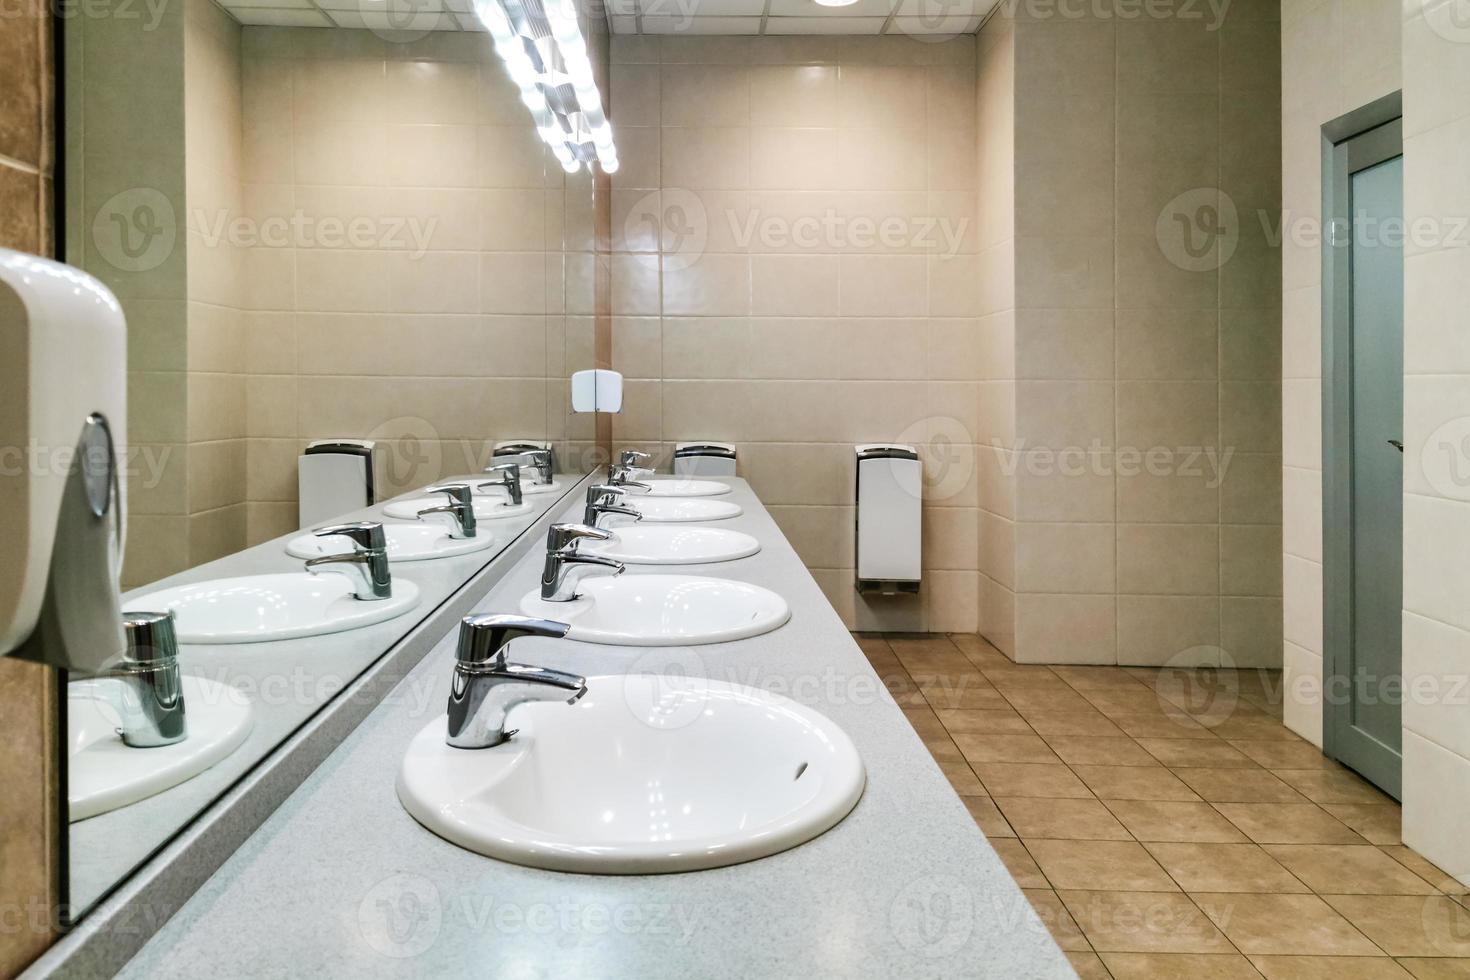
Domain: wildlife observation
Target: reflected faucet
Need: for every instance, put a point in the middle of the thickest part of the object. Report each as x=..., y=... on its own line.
x=540, y=461
x=151, y=704
x=458, y=514
x=487, y=686
x=558, y=581
x=366, y=565
x=603, y=499
x=511, y=482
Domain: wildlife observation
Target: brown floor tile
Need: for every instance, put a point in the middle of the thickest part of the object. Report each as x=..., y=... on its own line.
x=943, y=750
x=1032, y=779
x=1004, y=748
x=1088, y=966
x=1182, y=752
x=1019, y=863
x=1302, y=925
x=1437, y=969
x=1159, y=725
x=927, y=653
x=1136, y=700
x=1143, y=922
x=1155, y=820
x=1177, y=966
x=1284, y=755
x=926, y=723
x=978, y=650
x=1058, y=920
x=874, y=647
x=1224, y=868
x=1333, y=786
x=1060, y=819
x=1329, y=968
x=1253, y=727
x=1409, y=925
x=1377, y=824
x=1025, y=699
x=987, y=817
x=1094, y=865
x=1425, y=869
x=1098, y=678
x=902, y=689
x=962, y=692
x=1336, y=869
x=1023, y=675
x=1085, y=750
x=977, y=721
x=962, y=778
x=1288, y=823
x=1133, y=782
x=1239, y=786
x=1093, y=724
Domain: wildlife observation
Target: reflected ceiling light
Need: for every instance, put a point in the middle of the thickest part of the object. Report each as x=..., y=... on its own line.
x=836, y=3
x=541, y=43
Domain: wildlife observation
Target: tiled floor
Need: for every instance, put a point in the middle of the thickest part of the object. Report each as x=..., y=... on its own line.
x=1165, y=823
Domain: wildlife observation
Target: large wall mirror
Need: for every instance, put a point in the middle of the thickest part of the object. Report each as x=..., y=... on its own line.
x=345, y=257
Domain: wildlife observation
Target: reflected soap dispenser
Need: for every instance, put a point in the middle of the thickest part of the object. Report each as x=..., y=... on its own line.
x=63, y=426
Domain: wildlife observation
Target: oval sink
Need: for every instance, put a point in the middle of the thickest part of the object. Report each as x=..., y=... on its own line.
x=643, y=775
x=527, y=487
x=679, y=487
x=256, y=608
x=681, y=509
x=663, y=610
x=406, y=542
x=487, y=507
x=671, y=544
x=104, y=774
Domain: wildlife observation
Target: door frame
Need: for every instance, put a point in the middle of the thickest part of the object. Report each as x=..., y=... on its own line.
x=1385, y=117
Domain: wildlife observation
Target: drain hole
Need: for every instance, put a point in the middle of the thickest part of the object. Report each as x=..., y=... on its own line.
x=799, y=770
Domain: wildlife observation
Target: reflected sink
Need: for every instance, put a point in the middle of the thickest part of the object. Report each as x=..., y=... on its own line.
x=682, y=487
x=527, y=487
x=406, y=542
x=487, y=507
x=643, y=775
x=663, y=610
x=671, y=544
x=255, y=608
x=104, y=774
x=680, y=509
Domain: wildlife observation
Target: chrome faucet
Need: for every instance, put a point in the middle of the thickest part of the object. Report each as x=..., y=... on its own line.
x=632, y=459
x=366, y=565
x=151, y=704
x=620, y=476
x=459, y=513
x=558, y=583
x=603, y=499
x=487, y=686
x=540, y=461
x=511, y=481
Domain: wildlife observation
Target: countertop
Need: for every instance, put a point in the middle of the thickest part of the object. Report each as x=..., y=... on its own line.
x=340, y=881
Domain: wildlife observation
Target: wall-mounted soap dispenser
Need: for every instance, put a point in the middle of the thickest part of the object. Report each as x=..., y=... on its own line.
x=63, y=429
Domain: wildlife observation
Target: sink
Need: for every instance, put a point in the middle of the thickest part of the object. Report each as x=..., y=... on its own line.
x=406, y=542
x=663, y=610
x=104, y=774
x=672, y=544
x=255, y=608
x=682, y=487
x=681, y=509
x=527, y=487
x=643, y=775
x=487, y=507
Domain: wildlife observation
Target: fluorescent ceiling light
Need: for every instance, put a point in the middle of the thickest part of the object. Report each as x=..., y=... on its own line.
x=836, y=3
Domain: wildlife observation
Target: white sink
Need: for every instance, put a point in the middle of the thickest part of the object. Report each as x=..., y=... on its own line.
x=527, y=487
x=680, y=509
x=104, y=774
x=406, y=542
x=672, y=544
x=663, y=610
x=643, y=775
x=682, y=487
x=487, y=507
x=255, y=608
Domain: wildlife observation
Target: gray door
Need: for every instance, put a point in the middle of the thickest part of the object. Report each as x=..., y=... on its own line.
x=1364, y=664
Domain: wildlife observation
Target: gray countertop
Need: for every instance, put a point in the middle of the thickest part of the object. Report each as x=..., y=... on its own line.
x=340, y=881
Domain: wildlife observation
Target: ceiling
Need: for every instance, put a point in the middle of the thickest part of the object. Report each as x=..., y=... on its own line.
x=676, y=17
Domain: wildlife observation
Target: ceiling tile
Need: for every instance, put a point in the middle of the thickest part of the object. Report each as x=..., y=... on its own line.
x=408, y=23
x=277, y=17
x=944, y=8
x=701, y=25
x=947, y=26
x=271, y=4
x=825, y=25
x=686, y=9
x=810, y=8
x=401, y=10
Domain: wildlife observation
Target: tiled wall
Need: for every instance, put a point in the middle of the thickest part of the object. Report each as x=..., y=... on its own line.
x=1135, y=488
x=1336, y=56
x=450, y=319
x=1436, y=773
x=755, y=300
x=29, y=823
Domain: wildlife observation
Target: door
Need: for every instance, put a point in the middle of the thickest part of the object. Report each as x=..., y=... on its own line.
x=1364, y=693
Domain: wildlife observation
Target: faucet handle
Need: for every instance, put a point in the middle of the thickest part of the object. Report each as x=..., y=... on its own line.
x=631, y=457
x=364, y=535
x=484, y=636
x=601, y=493
x=563, y=537
x=459, y=493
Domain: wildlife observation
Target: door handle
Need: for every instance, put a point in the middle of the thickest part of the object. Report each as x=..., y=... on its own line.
x=1396, y=444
